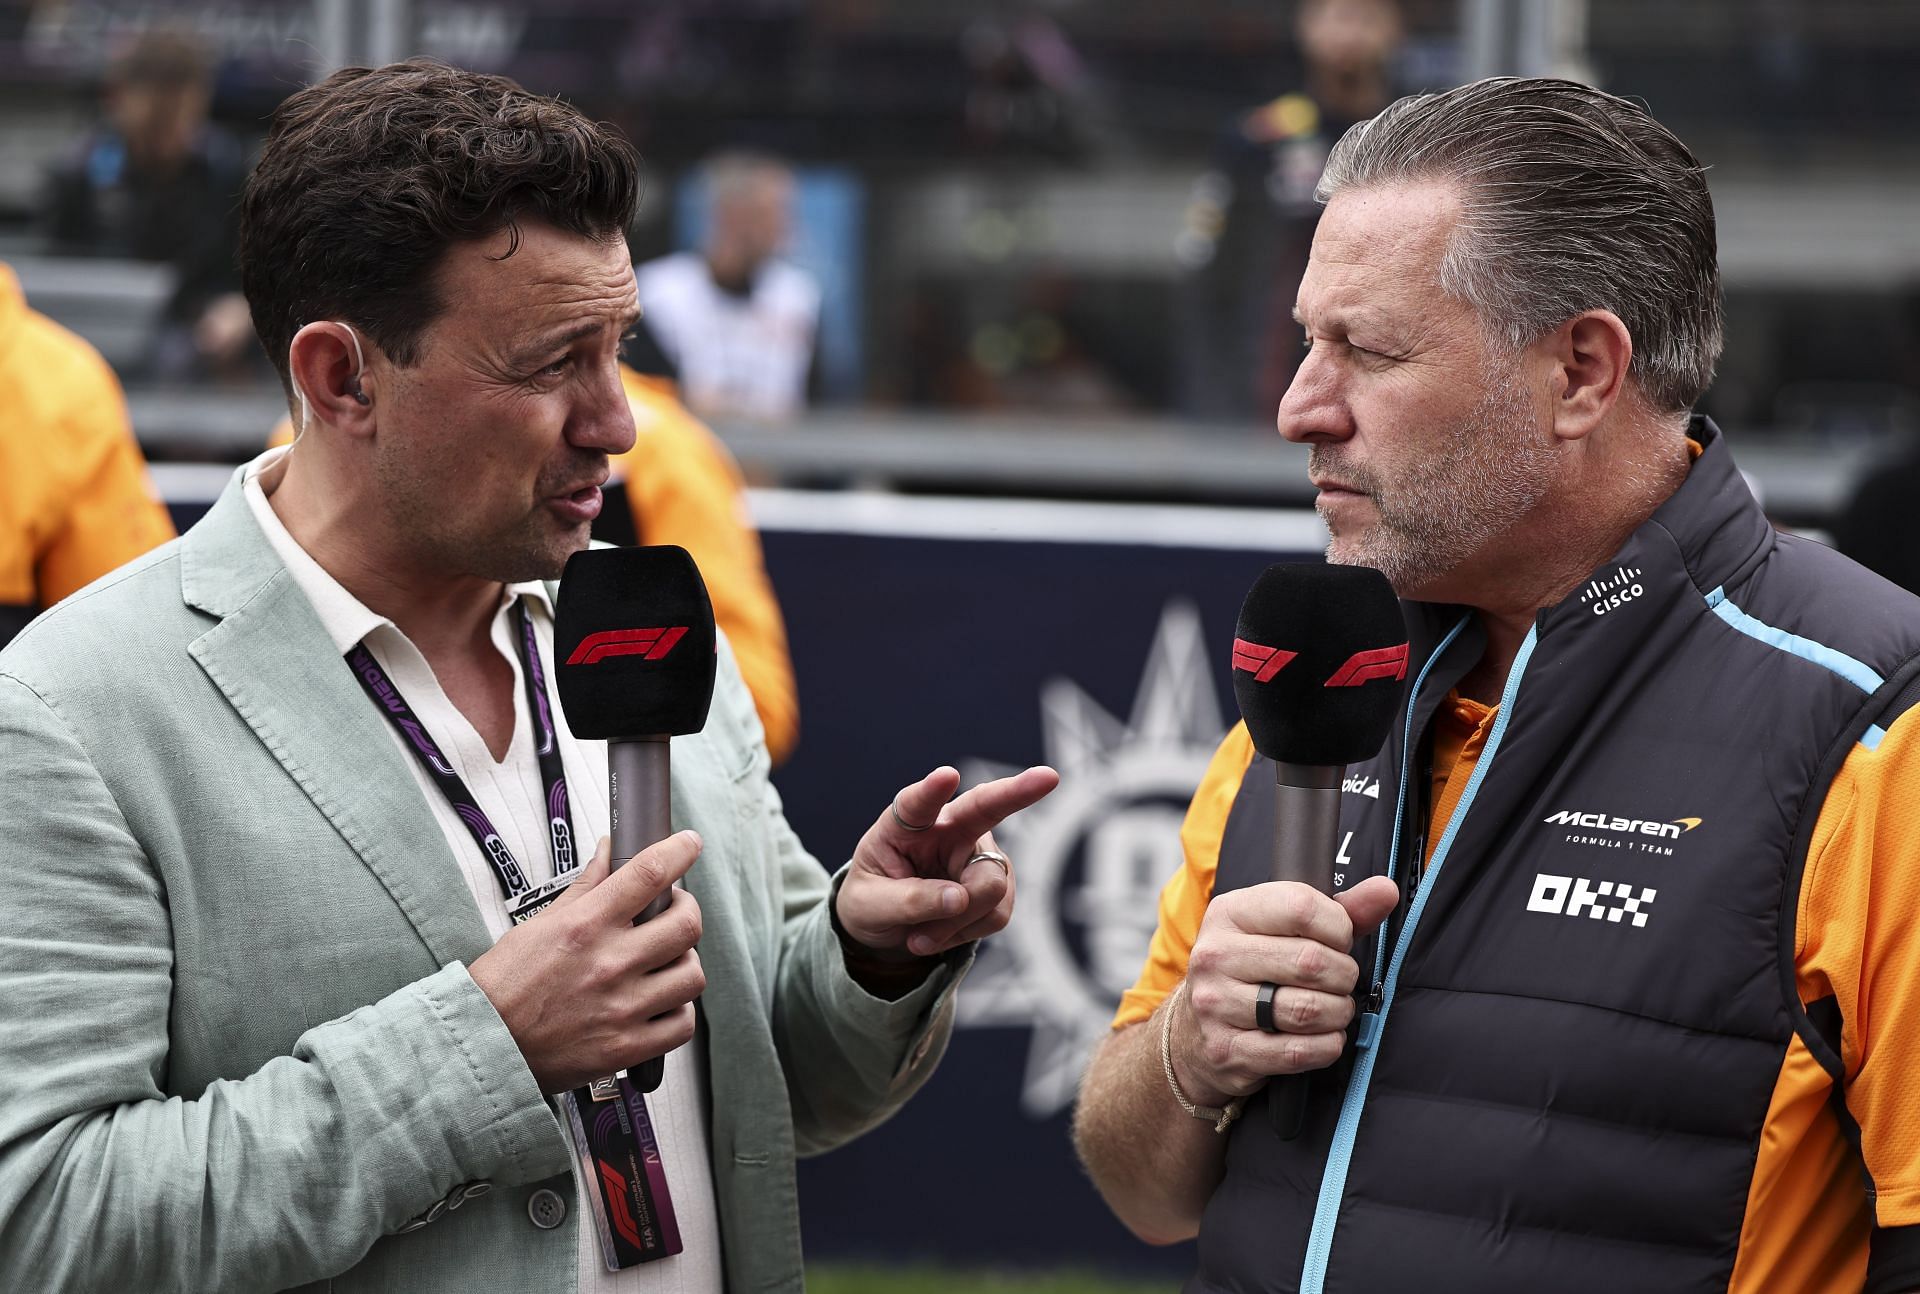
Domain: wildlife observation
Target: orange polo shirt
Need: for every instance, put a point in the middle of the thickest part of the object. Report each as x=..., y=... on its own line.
x=1858, y=941
x=75, y=499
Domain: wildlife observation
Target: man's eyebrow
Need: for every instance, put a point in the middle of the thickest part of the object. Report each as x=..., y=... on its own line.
x=1343, y=321
x=554, y=341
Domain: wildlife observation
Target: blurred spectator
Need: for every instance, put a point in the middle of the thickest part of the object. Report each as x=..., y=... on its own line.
x=75, y=501
x=683, y=487
x=158, y=181
x=1251, y=219
x=1875, y=529
x=738, y=322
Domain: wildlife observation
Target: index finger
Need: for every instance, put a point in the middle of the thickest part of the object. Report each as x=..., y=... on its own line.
x=989, y=804
x=637, y=882
x=1290, y=909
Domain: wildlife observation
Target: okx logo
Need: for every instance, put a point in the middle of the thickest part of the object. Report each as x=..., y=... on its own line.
x=1576, y=896
x=653, y=644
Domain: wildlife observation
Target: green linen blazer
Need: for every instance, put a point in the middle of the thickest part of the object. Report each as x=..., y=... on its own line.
x=239, y=1047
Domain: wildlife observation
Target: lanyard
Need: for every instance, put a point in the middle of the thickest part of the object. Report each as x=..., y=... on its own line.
x=506, y=869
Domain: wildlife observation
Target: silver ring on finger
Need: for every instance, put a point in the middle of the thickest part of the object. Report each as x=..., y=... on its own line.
x=904, y=825
x=991, y=856
x=1263, y=1008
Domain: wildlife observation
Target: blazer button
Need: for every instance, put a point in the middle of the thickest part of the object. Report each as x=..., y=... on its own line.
x=546, y=1209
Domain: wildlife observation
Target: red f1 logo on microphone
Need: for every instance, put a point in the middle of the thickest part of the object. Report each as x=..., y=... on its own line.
x=651, y=643
x=1366, y=666
x=1261, y=662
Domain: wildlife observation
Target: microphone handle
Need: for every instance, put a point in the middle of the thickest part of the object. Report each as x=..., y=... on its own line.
x=1306, y=833
x=639, y=806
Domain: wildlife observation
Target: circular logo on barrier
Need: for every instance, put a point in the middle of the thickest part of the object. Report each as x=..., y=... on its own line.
x=1093, y=856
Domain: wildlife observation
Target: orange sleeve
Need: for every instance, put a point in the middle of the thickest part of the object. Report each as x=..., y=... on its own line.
x=111, y=512
x=1859, y=940
x=1183, y=902
x=686, y=489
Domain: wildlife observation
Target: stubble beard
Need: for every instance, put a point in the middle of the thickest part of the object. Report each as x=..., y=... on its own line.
x=1483, y=479
x=532, y=546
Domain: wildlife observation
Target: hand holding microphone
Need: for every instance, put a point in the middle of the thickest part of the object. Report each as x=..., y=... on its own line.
x=1318, y=659
x=635, y=643
x=583, y=992
x=1288, y=935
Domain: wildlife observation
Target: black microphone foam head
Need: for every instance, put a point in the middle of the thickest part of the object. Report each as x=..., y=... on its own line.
x=634, y=640
x=1319, y=657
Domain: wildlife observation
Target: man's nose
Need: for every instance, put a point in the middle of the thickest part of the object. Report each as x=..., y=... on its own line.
x=604, y=420
x=1314, y=409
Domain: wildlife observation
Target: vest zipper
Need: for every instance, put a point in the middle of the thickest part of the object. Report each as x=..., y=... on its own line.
x=1333, y=1180
x=1370, y=1018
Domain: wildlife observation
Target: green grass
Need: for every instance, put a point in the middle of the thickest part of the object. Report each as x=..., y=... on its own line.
x=839, y=1279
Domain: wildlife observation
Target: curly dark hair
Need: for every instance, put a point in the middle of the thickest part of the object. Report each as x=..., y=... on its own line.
x=367, y=178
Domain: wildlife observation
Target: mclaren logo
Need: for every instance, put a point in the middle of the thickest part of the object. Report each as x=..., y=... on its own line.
x=1672, y=830
x=1609, y=831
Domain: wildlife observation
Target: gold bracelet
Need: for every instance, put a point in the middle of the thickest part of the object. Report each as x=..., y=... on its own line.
x=1221, y=1116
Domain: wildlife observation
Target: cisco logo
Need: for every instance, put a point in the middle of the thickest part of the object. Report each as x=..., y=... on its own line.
x=1614, y=592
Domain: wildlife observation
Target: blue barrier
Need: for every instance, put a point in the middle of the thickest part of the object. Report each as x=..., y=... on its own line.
x=992, y=635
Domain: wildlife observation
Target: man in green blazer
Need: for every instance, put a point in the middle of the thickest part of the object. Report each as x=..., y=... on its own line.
x=265, y=1019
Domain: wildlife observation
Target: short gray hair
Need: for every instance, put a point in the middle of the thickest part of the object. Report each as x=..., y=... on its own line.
x=1572, y=200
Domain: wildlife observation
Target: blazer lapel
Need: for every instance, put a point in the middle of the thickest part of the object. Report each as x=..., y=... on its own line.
x=276, y=665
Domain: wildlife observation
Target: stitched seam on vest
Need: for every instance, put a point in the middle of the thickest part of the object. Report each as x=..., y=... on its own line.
x=1400, y=792
x=1742, y=570
x=1593, y=1006
x=1534, y=1108
x=1556, y=1233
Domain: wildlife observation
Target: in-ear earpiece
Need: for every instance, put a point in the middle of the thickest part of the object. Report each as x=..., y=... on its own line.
x=359, y=396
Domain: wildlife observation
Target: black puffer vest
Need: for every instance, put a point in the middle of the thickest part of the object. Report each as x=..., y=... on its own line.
x=1579, y=1016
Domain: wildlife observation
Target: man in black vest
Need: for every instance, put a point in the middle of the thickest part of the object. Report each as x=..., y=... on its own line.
x=1618, y=990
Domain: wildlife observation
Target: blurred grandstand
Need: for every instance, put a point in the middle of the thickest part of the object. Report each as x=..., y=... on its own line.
x=997, y=189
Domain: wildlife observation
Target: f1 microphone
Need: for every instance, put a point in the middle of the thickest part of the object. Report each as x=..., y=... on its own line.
x=634, y=644
x=1319, y=656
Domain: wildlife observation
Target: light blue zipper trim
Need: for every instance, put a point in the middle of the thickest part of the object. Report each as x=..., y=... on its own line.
x=1367, y=1021
x=1858, y=673
x=1333, y=1182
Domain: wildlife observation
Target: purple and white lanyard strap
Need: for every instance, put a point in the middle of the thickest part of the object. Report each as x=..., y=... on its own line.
x=506, y=869
x=621, y=1168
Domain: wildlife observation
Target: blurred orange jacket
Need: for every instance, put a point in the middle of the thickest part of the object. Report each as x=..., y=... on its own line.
x=75, y=499
x=684, y=488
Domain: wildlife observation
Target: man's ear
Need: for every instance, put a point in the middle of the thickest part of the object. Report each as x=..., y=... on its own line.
x=1589, y=357
x=329, y=378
